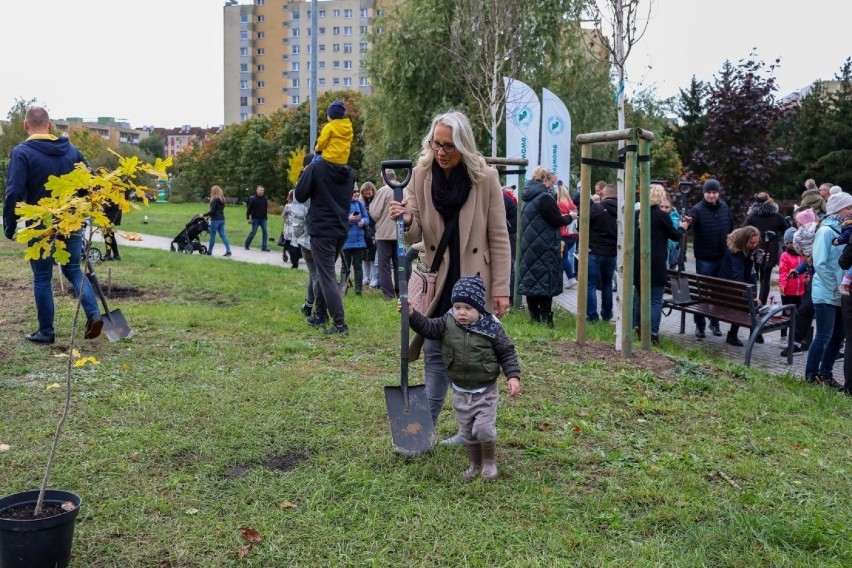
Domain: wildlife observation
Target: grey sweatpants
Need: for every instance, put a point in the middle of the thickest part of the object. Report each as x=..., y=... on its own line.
x=476, y=414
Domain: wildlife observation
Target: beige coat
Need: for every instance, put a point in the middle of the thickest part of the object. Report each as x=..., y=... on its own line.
x=483, y=236
x=380, y=212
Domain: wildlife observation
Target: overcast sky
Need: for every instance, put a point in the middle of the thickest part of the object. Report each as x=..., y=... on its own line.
x=159, y=62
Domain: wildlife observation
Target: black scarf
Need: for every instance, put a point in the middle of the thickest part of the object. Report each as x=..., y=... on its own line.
x=449, y=194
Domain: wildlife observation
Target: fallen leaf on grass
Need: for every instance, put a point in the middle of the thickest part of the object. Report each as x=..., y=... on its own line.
x=60, y=354
x=130, y=236
x=243, y=551
x=75, y=352
x=191, y=511
x=52, y=386
x=797, y=446
x=250, y=535
x=543, y=426
x=287, y=505
x=84, y=360
x=126, y=366
x=5, y=447
x=577, y=430
x=68, y=506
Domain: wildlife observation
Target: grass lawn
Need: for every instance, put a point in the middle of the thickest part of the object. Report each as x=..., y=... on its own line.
x=226, y=411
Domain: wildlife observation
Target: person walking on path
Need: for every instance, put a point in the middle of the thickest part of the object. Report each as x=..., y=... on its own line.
x=329, y=187
x=290, y=245
x=386, y=257
x=217, y=220
x=456, y=198
x=31, y=163
x=256, y=213
x=711, y=224
x=540, y=274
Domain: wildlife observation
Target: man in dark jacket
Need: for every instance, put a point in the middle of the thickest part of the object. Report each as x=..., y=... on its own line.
x=329, y=187
x=603, y=248
x=30, y=164
x=711, y=223
x=256, y=217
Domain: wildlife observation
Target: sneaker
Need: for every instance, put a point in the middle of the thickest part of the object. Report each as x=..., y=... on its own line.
x=317, y=321
x=39, y=337
x=571, y=283
x=832, y=384
x=714, y=329
x=247, y=247
x=338, y=330
x=306, y=310
x=732, y=339
x=797, y=348
x=699, y=333
x=227, y=253
x=264, y=250
x=93, y=327
x=452, y=441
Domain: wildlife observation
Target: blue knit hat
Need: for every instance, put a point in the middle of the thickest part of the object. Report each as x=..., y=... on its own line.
x=470, y=290
x=788, y=235
x=336, y=110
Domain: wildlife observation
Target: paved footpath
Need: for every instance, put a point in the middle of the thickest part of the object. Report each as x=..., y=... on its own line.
x=766, y=356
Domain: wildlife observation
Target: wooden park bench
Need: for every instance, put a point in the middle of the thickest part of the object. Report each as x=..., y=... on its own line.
x=732, y=302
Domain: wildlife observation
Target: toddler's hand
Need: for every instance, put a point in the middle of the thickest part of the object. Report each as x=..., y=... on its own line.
x=514, y=386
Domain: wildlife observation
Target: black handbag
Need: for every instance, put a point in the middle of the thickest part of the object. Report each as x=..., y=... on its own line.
x=282, y=242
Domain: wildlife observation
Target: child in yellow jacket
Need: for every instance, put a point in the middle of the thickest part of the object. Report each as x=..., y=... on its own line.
x=335, y=140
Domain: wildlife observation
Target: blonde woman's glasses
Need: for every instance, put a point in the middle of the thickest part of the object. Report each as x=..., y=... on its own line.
x=437, y=147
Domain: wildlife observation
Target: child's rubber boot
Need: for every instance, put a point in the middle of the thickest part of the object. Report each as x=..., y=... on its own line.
x=489, y=464
x=474, y=461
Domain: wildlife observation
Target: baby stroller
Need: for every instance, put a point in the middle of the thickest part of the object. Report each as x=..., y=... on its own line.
x=187, y=240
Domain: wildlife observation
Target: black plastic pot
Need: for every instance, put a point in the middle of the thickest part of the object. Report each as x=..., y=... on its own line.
x=41, y=542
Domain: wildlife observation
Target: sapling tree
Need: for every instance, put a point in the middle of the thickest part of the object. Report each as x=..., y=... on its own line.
x=74, y=199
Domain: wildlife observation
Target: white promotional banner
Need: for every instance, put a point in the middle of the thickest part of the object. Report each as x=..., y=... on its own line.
x=523, y=121
x=556, y=136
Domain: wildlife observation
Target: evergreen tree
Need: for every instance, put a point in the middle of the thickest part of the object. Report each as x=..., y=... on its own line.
x=836, y=163
x=693, y=118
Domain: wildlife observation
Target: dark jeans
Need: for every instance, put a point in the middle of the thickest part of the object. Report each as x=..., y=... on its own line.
x=656, y=308
x=846, y=312
x=435, y=377
x=255, y=223
x=352, y=259
x=765, y=281
x=828, y=337
x=601, y=268
x=387, y=264
x=804, y=315
x=706, y=268
x=43, y=288
x=325, y=251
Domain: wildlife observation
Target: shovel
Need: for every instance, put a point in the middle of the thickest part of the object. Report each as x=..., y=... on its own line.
x=412, y=431
x=680, y=283
x=115, y=324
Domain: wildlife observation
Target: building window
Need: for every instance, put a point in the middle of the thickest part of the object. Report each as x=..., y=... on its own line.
x=363, y=47
x=347, y=13
x=347, y=81
x=243, y=67
x=335, y=30
x=243, y=101
x=380, y=12
x=260, y=35
x=363, y=82
x=309, y=65
x=261, y=68
x=347, y=64
x=260, y=51
x=347, y=48
x=336, y=65
x=295, y=50
x=295, y=15
x=295, y=83
x=309, y=83
x=261, y=84
x=295, y=99
x=260, y=2
x=243, y=116
x=363, y=30
x=295, y=32
x=243, y=18
x=261, y=19
x=243, y=35
x=321, y=82
x=335, y=47
x=261, y=100
x=321, y=31
x=309, y=48
x=321, y=65
x=364, y=12
x=295, y=66
x=335, y=81
x=347, y=30
x=335, y=13
x=322, y=13
x=321, y=47
x=243, y=52
x=244, y=84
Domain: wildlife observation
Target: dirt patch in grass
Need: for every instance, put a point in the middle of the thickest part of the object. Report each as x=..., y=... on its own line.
x=285, y=462
x=605, y=353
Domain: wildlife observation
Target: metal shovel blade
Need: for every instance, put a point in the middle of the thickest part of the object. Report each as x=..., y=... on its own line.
x=680, y=289
x=116, y=326
x=412, y=432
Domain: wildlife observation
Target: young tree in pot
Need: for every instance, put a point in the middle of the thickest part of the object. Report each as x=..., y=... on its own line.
x=73, y=199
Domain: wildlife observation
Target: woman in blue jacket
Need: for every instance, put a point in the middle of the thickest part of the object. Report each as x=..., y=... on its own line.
x=356, y=245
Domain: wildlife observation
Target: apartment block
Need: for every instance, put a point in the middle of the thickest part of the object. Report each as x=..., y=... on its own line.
x=107, y=127
x=268, y=52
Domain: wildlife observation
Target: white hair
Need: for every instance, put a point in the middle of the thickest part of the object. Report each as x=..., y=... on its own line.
x=463, y=140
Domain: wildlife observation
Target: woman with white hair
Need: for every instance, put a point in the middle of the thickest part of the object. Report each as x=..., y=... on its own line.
x=454, y=203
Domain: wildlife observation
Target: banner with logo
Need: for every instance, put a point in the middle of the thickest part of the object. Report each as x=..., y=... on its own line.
x=523, y=121
x=556, y=136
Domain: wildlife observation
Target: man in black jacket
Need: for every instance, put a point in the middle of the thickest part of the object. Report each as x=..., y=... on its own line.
x=603, y=250
x=256, y=217
x=711, y=224
x=329, y=187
